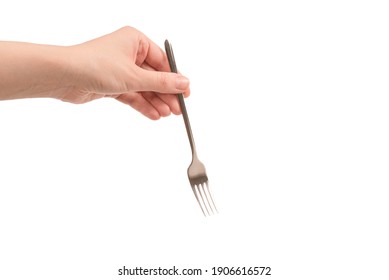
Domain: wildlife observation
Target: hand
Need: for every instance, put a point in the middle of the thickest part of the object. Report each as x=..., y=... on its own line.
x=128, y=66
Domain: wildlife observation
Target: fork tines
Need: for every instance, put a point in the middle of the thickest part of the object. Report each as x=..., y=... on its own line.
x=204, y=198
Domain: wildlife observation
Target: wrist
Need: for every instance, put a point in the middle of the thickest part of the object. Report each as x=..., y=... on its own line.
x=58, y=73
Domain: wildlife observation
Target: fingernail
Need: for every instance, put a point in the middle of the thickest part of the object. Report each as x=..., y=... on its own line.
x=182, y=83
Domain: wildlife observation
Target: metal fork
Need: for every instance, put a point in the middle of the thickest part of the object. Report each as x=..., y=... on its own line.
x=196, y=172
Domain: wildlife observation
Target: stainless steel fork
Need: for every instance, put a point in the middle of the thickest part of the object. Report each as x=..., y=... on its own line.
x=196, y=172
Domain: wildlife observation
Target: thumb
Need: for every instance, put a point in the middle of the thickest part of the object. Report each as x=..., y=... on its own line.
x=163, y=82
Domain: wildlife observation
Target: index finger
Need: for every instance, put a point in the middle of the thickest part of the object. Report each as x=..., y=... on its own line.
x=156, y=57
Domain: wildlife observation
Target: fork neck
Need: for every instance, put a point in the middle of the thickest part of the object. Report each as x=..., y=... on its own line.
x=187, y=124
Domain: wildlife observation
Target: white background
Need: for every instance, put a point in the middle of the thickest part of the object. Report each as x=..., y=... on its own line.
x=289, y=109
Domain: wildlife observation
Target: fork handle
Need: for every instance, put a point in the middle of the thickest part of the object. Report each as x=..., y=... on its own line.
x=173, y=68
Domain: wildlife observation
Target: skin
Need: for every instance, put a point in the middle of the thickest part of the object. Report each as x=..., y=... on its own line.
x=125, y=65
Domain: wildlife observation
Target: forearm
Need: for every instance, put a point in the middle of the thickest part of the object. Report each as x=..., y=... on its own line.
x=32, y=70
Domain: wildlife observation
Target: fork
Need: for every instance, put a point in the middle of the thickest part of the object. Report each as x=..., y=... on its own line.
x=196, y=172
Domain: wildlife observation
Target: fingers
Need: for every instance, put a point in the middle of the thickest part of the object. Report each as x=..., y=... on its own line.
x=149, y=104
x=155, y=56
x=162, y=82
x=149, y=68
x=158, y=104
x=156, y=75
x=140, y=104
x=172, y=101
x=152, y=88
